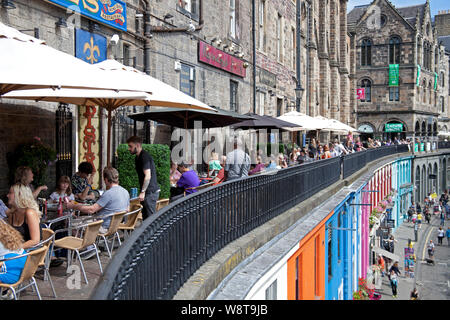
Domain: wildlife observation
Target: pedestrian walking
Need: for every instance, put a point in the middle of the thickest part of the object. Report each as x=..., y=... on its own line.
x=430, y=249
x=419, y=220
x=442, y=216
x=146, y=171
x=441, y=234
x=447, y=234
x=394, y=283
x=416, y=231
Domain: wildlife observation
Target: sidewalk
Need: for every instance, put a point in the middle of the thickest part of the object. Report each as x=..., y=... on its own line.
x=402, y=234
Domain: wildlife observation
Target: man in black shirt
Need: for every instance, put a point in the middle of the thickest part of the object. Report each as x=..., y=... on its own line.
x=145, y=168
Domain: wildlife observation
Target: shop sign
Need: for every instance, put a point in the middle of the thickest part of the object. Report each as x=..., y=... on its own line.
x=418, y=76
x=267, y=78
x=219, y=59
x=90, y=47
x=88, y=131
x=393, y=127
x=112, y=13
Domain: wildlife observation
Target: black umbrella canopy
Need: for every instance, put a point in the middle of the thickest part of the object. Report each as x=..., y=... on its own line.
x=266, y=122
x=185, y=118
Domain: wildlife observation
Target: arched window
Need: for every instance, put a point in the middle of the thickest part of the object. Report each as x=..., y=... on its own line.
x=367, y=84
x=366, y=52
x=394, y=50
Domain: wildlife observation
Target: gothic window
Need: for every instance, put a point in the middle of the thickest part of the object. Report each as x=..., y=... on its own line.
x=366, y=84
x=394, y=50
x=366, y=52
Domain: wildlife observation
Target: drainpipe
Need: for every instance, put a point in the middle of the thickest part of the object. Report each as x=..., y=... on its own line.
x=254, y=56
x=298, y=89
x=148, y=36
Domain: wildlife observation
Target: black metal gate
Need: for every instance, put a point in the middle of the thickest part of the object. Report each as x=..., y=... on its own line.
x=124, y=127
x=63, y=141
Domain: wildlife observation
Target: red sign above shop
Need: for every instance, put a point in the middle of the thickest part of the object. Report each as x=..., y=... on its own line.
x=219, y=59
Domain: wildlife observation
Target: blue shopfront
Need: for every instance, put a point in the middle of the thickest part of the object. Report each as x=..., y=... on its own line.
x=402, y=183
x=342, y=250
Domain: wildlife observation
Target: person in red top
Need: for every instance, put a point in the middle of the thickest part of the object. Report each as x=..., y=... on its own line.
x=381, y=264
x=221, y=175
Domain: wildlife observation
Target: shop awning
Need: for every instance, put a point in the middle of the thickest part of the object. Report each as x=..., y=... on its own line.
x=386, y=254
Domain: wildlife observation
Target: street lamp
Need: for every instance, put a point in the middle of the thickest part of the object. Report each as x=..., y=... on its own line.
x=298, y=95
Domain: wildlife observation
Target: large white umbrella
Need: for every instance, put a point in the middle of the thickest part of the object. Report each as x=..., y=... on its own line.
x=163, y=95
x=335, y=125
x=303, y=120
x=28, y=63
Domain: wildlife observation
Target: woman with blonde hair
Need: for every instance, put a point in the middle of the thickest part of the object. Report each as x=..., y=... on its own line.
x=11, y=245
x=24, y=215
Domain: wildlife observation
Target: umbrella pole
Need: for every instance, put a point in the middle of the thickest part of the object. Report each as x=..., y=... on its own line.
x=108, y=155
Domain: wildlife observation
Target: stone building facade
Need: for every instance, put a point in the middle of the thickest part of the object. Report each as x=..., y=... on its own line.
x=172, y=41
x=326, y=58
x=386, y=36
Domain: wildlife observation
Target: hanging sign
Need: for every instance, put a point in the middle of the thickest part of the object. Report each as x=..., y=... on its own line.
x=435, y=81
x=418, y=75
x=360, y=94
x=112, y=13
x=393, y=75
x=90, y=47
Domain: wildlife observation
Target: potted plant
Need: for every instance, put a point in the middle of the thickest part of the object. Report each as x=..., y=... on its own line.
x=37, y=155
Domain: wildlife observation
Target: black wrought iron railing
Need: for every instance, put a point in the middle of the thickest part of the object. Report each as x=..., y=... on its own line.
x=161, y=255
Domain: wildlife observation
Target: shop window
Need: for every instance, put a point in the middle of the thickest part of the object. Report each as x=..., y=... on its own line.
x=187, y=80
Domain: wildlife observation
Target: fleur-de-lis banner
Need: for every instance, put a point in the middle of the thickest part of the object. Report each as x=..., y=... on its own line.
x=90, y=47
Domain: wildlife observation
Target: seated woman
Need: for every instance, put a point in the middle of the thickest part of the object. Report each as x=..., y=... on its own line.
x=24, y=215
x=24, y=175
x=282, y=164
x=175, y=175
x=63, y=189
x=214, y=165
x=11, y=245
x=259, y=166
x=221, y=175
x=82, y=181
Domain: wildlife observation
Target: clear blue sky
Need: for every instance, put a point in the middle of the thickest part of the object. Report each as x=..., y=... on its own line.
x=435, y=5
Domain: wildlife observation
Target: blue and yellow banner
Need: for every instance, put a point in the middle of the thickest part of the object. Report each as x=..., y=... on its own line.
x=110, y=12
x=90, y=47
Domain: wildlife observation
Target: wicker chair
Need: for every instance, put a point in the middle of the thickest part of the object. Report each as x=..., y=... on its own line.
x=132, y=218
x=116, y=219
x=76, y=244
x=34, y=257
